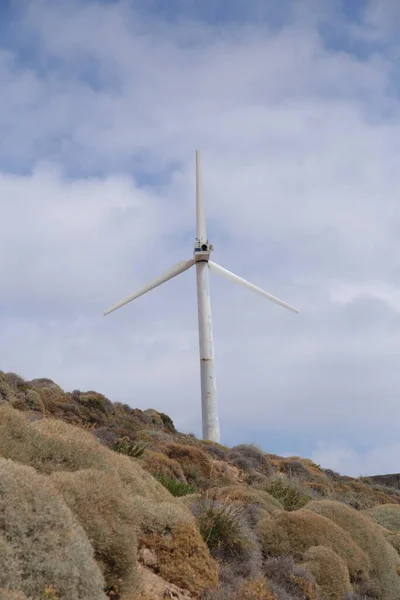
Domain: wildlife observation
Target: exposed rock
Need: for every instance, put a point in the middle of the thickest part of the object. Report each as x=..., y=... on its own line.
x=148, y=558
x=156, y=588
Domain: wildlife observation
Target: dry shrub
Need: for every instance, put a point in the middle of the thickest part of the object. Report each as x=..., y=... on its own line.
x=136, y=480
x=51, y=445
x=223, y=473
x=216, y=450
x=248, y=457
x=289, y=581
x=43, y=539
x=387, y=515
x=302, y=469
x=50, y=392
x=47, y=445
x=110, y=519
x=249, y=589
x=161, y=517
x=383, y=558
x=249, y=495
x=189, y=500
x=330, y=572
x=34, y=401
x=155, y=417
x=6, y=391
x=190, y=457
x=255, y=589
x=359, y=495
x=14, y=380
x=159, y=464
x=184, y=559
x=394, y=540
x=295, y=532
x=318, y=490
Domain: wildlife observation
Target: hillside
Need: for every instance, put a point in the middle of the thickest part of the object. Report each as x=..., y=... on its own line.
x=99, y=500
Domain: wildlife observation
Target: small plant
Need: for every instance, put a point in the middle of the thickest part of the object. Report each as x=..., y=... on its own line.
x=221, y=526
x=50, y=593
x=175, y=487
x=288, y=492
x=126, y=446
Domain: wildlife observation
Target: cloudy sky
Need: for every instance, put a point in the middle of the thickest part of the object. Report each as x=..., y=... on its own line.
x=296, y=107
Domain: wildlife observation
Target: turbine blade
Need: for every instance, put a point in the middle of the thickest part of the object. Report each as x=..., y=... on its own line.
x=180, y=267
x=201, y=232
x=250, y=286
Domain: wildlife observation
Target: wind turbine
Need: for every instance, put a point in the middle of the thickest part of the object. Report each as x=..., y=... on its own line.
x=201, y=259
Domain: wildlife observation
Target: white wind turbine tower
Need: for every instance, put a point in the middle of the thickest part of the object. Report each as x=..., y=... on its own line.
x=201, y=259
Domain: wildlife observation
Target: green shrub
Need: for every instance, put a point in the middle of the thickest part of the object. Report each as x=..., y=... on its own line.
x=168, y=423
x=289, y=492
x=175, y=487
x=133, y=449
x=42, y=543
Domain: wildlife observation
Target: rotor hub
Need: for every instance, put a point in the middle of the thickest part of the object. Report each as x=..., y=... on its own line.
x=202, y=250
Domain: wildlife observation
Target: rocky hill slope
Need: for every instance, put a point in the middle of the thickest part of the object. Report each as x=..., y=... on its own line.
x=99, y=500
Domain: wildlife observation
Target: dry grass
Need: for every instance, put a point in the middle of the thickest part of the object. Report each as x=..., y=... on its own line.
x=330, y=572
x=383, y=558
x=43, y=539
x=184, y=559
x=292, y=534
x=110, y=519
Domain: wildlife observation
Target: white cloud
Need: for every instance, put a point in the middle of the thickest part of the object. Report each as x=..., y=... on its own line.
x=344, y=459
x=301, y=168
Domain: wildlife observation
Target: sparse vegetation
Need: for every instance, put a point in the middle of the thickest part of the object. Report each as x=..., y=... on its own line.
x=88, y=488
x=177, y=488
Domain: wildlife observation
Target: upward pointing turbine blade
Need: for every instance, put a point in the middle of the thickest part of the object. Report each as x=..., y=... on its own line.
x=201, y=232
x=250, y=286
x=177, y=269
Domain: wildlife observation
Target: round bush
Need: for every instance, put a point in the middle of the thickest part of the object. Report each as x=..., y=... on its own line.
x=42, y=543
x=330, y=572
x=384, y=560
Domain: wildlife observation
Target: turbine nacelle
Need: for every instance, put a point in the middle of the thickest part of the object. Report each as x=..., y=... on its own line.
x=202, y=251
